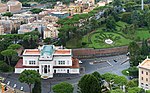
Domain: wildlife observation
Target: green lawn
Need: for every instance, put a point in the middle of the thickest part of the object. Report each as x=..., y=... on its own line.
x=143, y=33
x=96, y=39
x=100, y=43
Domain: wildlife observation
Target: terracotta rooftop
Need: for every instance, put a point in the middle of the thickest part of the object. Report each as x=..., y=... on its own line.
x=75, y=64
x=145, y=64
x=63, y=51
x=20, y=65
x=31, y=51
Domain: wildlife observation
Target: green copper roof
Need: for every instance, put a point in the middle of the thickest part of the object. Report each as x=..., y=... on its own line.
x=47, y=50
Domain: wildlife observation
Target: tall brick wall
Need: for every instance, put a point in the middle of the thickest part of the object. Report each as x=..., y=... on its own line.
x=89, y=52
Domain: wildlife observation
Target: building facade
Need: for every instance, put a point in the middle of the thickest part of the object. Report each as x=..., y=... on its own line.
x=50, y=31
x=144, y=74
x=48, y=60
x=14, y=6
x=3, y=8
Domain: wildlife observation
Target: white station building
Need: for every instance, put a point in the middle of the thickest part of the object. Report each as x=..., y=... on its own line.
x=48, y=60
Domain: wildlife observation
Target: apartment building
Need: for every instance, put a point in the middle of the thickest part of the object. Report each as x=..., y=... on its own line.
x=144, y=74
x=14, y=6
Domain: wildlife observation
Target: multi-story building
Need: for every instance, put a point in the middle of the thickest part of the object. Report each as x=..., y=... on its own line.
x=7, y=25
x=14, y=6
x=3, y=8
x=144, y=74
x=48, y=60
x=50, y=31
x=1, y=30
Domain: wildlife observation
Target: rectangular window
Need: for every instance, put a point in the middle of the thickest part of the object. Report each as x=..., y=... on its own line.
x=146, y=79
x=142, y=72
x=61, y=62
x=142, y=78
x=146, y=73
x=31, y=62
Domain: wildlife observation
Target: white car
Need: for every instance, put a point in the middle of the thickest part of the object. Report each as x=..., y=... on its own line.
x=15, y=85
x=8, y=82
x=80, y=61
x=21, y=88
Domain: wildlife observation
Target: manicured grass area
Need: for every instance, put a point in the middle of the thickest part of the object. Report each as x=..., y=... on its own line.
x=124, y=72
x=143, y=33
x=96, y=39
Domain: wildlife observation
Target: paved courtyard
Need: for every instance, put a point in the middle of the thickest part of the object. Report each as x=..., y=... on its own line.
x=113, y=64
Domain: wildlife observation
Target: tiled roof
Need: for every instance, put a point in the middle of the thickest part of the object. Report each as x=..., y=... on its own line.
x=31, y=51
x=20, y=65
x=145, y=64
x=63, y=51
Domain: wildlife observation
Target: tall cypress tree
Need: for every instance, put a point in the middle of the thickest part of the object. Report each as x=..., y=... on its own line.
x=144, y=48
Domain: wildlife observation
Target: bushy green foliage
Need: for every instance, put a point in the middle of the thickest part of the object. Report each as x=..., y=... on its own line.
x=9, y=14
x=89, y=84
x=36, y=10
x=134, y=90
x=63, y=87
x=29, y=77
x=117, y=91
x=4, y=67
x=132, y=83
x=14, y=46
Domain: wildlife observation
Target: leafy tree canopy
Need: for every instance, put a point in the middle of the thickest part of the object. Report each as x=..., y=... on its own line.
x=63, y=87
x=14, y=46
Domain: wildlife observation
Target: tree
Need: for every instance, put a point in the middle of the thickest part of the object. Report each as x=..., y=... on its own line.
x=14, y=46
x=133, y=71
x=117, y=3
x=134, y=90
x=37, y=87
x=117, y=91
x=129, y=6
x=110, y=23
x=29, y=77
x=63, y=87
x=47, y=40
x=36, y=10
x=9, y=53
x=144, y=48
x=9, y=14
x=147, y=19
x=97, y=75
x=4, y=67
x=132, y=83
x=134, y=50
x=89, y=84
x=126, y=17
x=30, y=41
x=120, y=80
